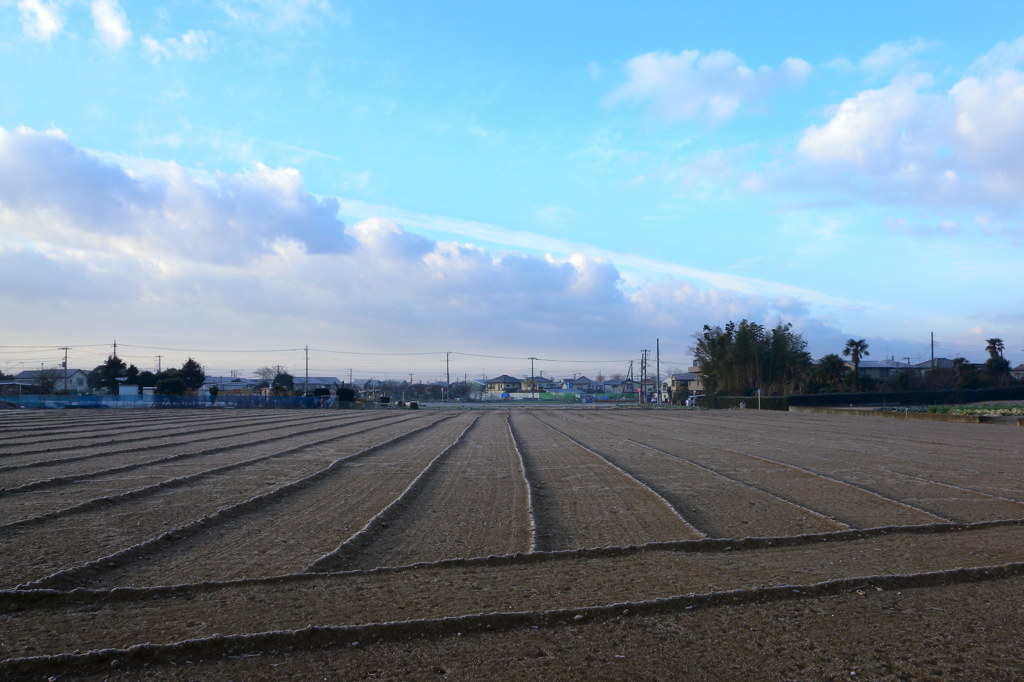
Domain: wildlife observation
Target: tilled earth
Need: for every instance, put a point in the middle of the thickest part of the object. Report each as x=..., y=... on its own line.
x=555, y=544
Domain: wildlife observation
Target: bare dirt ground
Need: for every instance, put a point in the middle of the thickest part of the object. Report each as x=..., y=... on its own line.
x=551, y=544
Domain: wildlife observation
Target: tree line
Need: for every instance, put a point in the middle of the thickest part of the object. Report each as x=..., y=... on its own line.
x=741, y=358
x=172, y=381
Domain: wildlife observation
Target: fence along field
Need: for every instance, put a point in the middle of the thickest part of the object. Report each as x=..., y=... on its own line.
x=369, y=526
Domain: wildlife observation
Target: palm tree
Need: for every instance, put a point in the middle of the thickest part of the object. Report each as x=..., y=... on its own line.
x=995, y=348
x=856, y=349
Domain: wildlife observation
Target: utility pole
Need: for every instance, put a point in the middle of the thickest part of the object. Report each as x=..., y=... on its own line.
x=657, y=371
x=933, y=351
x=115, y=348
x=305, y=386
x=159, y=359
x=643, y=374
x=65, y=366
x=448, y=371
x=533, y=381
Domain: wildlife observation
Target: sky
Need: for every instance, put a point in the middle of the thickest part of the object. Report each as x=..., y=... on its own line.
x=451, y=188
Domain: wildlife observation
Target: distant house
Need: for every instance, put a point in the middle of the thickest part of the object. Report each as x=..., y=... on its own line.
x=538, y=384
x=578, y=385
x=230, y=384
x=503, y=384
x=1017, y=372
x=612, y=386
x=71, y=380
x=314, y=383
x=680, y=384
x=881, y=369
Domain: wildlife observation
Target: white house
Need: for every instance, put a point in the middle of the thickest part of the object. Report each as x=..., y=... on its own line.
x=71, y=380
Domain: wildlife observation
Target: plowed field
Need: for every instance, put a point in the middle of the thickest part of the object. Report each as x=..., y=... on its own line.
x=522, y=543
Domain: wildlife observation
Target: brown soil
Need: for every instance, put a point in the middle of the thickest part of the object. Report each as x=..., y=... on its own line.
x=927, y=591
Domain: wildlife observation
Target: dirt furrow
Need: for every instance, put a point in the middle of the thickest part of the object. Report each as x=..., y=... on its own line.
x=138, y=426
x=847, y=503
x=36, y=551
x=67, y=447
x=475, y=504
x=122, y=485
x=72, y=461
x=719, y=505
x=49, y=625
x=582, y=501
x=157, y=454
x=296, y=530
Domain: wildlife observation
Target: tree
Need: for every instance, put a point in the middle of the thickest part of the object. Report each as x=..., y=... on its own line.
x=110, y=371
x=172, y=385
x=49, y=378
x=147, y=378
x=283, y=380
x=995, y=348
x=998, y=370
x=741, y=358
x=131, y=375
x=856, y=349
x=268, y=374
x=192, y=374
x=830, y=370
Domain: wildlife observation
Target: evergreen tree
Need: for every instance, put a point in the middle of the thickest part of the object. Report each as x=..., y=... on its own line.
x=109, y=372
x=192, y=374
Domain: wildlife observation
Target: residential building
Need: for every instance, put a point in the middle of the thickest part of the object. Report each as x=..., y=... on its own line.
x=503, y=384
x=881, y=369
x=58, y=379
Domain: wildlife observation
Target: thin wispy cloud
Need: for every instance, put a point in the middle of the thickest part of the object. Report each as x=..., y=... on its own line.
x=714, y=86
x=111, y=23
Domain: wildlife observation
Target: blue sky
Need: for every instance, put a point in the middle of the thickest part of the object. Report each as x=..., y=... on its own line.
x=558, y=180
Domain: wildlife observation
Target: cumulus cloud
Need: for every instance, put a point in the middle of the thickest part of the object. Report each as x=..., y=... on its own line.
x=111, y=23
x=713, y=86
x=40, y=20
x=191, y=45
x=52, y=191
x=225, y=259
x=908, y=143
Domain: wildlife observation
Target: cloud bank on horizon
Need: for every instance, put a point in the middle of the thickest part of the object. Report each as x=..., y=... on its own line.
x=310, y=172
x=186, y=255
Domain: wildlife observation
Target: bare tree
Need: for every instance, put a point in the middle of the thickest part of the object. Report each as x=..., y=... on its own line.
x=267, y=374
x=49, y=378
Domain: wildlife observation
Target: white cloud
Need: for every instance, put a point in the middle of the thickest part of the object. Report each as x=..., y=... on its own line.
x=40, y=20
x=111, y=23
x=906, y=143
x=895, y=56
x=276, y=15
x=191, y=45
x=1003, y=56
x=52, y=192
x=255, y=256
x=869, y=129
x=714, y=86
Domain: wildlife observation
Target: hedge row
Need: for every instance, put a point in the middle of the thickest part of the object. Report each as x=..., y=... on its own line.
x=945, y=397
